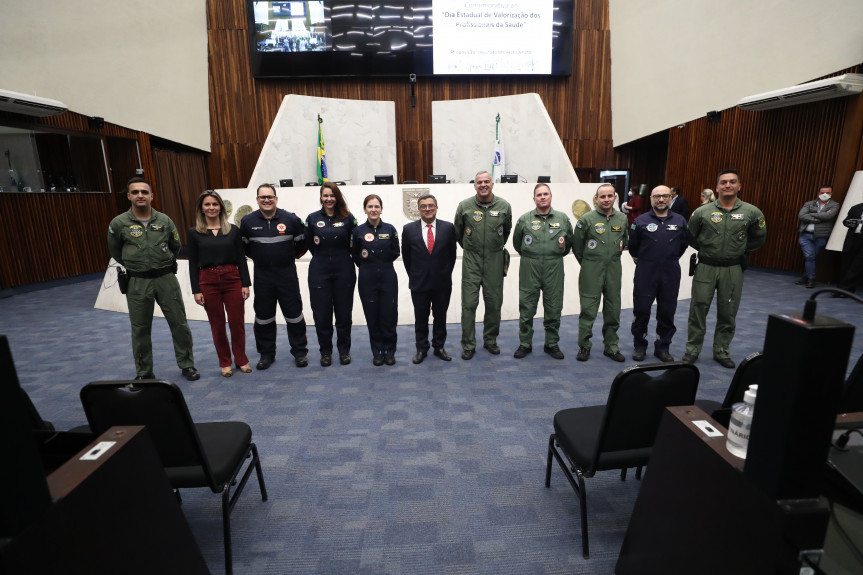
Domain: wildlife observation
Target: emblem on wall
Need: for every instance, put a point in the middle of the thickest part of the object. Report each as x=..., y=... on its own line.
x=410, y=201
x=242, y=212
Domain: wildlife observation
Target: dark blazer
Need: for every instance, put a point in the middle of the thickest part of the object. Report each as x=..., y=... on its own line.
x=680, y=206
x=429, y=271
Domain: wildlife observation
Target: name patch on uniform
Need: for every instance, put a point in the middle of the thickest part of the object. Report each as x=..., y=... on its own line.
x=651, y=227
x=493, y=214
x=338, y=224
x=156, y=228
x=599, y=227
x=672, y=227
x=257, y=227
x=321, y=223
x=738, y=217
x=591, y=244
x=554, y=225
x=535, y=225
x=477, y=216
x=136, y=231
x=528, y=239
x=716, y=217
x=616, y=229
x=369, y=237
x=383, y=236
x=281, y=228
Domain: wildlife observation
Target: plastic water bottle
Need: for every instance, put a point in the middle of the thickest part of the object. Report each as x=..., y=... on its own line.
x=741, y=423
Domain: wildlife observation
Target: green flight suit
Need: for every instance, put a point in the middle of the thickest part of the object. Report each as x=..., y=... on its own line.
x=722, y=238
x=482, y=230
x=598, y=241
x=542, y=241
x=151, y=250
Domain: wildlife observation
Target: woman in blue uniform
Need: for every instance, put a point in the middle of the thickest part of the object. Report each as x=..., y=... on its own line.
x=332, y=276
x=375, y=247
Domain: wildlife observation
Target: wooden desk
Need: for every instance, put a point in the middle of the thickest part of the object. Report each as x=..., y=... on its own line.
x=113, y=514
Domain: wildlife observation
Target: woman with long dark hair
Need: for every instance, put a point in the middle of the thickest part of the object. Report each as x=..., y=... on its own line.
x=332, y=275
x=220, y=278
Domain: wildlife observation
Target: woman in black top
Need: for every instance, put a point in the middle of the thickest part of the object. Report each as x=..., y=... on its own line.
x=332, y=276
x=375, y=247
x=220, y=278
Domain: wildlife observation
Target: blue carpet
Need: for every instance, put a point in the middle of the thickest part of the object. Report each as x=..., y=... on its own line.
x=434, y=469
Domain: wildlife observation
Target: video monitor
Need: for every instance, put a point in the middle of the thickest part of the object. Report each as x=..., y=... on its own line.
x=384, y=180
x=437, y=179
x=543, y=179
x=509, y=179
x=289, y=183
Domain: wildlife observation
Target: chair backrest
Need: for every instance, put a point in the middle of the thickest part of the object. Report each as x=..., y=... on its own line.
x=157, y=404
x=746, y=374
x=638, y=397
x=852, y=393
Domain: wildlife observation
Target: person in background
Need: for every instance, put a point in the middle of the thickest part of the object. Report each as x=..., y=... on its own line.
x=632, y=206
x=274, y=240
x=146, y=243
x=723, y=232
x=707, y=196
x=542, y=237
x=600, y=236
x=482, y=223
x=220, y=279
x=429, y=254
x=816, y=223
x=679, y=205
x=375, y=247
x=657, y=239
x=852, y=251
x=332, y=275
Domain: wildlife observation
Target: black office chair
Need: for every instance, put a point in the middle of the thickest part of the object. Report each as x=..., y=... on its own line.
x=194, y=454
x=619, y=434
x=748, y=372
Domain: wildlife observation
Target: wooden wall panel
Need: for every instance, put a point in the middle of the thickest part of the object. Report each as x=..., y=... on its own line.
x=243, y=109
x=52, y=235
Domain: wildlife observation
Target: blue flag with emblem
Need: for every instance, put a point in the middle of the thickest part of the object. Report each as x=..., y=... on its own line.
x=498, y=167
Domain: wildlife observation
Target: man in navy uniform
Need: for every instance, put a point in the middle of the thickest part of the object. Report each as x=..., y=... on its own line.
x=657, y=239
x=273, y=239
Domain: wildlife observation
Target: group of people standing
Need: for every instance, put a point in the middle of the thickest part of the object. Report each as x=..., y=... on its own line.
x=146, y=242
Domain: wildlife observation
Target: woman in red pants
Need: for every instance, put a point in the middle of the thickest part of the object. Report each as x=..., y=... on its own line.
x=220, y=278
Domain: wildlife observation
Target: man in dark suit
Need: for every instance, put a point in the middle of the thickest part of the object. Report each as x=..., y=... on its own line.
x=679, y=205
x=429, y=253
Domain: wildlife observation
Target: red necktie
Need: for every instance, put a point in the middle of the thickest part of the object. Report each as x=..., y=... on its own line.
x=430, y=238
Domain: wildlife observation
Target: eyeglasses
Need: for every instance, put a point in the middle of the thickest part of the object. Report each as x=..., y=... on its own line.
x=661, y=196
x=266, y=198
x=425, y=207
x=139, y=192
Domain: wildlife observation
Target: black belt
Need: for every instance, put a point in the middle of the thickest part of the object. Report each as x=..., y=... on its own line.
x=150, y=274
x=720, y=263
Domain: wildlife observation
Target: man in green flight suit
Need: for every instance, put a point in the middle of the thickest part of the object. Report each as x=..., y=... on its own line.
x=599, y=238
x=146, y=243
x=541, y=237
x=723, y=232
x=482, y=226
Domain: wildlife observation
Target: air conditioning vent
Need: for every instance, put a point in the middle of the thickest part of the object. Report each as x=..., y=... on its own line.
x=29, y=105
x=844, y=85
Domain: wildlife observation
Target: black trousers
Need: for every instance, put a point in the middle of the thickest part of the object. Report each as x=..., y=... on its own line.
x=426, y=302
x=278, y=286
x=332, y=293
